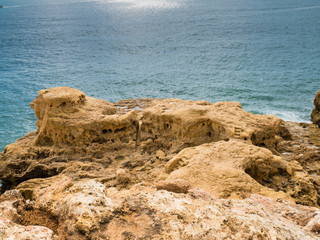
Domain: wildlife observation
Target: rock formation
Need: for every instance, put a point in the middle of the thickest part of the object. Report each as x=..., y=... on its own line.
x=88, y=210
x=315, y=115
x=236, y=169
x=160, y=169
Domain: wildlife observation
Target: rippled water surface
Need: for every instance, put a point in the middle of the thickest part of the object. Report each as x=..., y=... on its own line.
x=264, y=54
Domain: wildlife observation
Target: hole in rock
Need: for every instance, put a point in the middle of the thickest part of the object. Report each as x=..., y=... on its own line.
x=119, y=129
x=40, y=218
x=278, y=180
x=99, y=140
x=63, y=104
x=253, y=138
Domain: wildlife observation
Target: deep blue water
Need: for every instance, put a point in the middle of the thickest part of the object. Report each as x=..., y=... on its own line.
x=262, y=53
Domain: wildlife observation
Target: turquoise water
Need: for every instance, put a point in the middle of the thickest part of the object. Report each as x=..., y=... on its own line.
x=264, y=54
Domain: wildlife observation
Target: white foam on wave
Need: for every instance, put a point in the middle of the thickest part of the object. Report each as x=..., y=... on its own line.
x=304, y=8
x=286, y=116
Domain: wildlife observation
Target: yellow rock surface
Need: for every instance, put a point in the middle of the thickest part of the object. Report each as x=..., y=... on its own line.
x=235, y=169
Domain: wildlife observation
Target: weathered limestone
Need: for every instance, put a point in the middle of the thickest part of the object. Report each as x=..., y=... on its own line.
x=236, y=169
x=176, y=124
x=12, y=209
x=159, y=169
x=79, y=206
x=10, y=230
x=76, y=132
x=86, y=210
x=315, y=115
x=67, y=116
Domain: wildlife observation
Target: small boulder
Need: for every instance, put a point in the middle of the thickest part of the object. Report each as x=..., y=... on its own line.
x=175, y=185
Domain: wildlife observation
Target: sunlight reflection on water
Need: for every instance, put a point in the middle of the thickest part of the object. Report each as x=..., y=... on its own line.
x=142, y=4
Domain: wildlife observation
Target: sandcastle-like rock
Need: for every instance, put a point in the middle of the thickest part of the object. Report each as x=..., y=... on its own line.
x=174, y=123
x=67, y=116
x=76, y=132
x=315, y=115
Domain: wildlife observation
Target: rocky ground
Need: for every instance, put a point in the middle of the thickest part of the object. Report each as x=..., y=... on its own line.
x=159, y=169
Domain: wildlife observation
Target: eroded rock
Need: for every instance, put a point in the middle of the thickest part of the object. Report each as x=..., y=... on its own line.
x=176, y=124
x=10, y=230
x=83, y=137
x=79, y=207
x=236, y=169
x=156, y=169
x=315, y=115
x=141, y=212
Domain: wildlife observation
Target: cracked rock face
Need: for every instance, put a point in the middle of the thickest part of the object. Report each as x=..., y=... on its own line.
x=157, y=168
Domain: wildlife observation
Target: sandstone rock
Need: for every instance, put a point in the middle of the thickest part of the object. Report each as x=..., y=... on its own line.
x=122, y=176
x=304, y=149
x=315, y=115
x=176, y=124
x=10, y=230
x=176, y=185
x=166, y=215
x=235, y=169
x=160, y=154
x=11, y=203
x=79, y=207
x=67, y=116
x=316, y=100
x=83, y=137
x=143, y=213
x=200, y=194
x=89, y=170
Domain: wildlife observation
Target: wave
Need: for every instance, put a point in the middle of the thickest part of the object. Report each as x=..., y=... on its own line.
x=287, y=116
x=304, y=8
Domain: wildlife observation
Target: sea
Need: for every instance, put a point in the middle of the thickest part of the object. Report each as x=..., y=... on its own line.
x=262, y=53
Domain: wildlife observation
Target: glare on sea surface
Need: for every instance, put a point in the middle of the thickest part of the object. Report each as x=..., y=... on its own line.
x=143, y=4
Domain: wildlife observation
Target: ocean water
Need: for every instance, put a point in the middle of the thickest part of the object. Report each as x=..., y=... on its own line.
x=264, y=54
